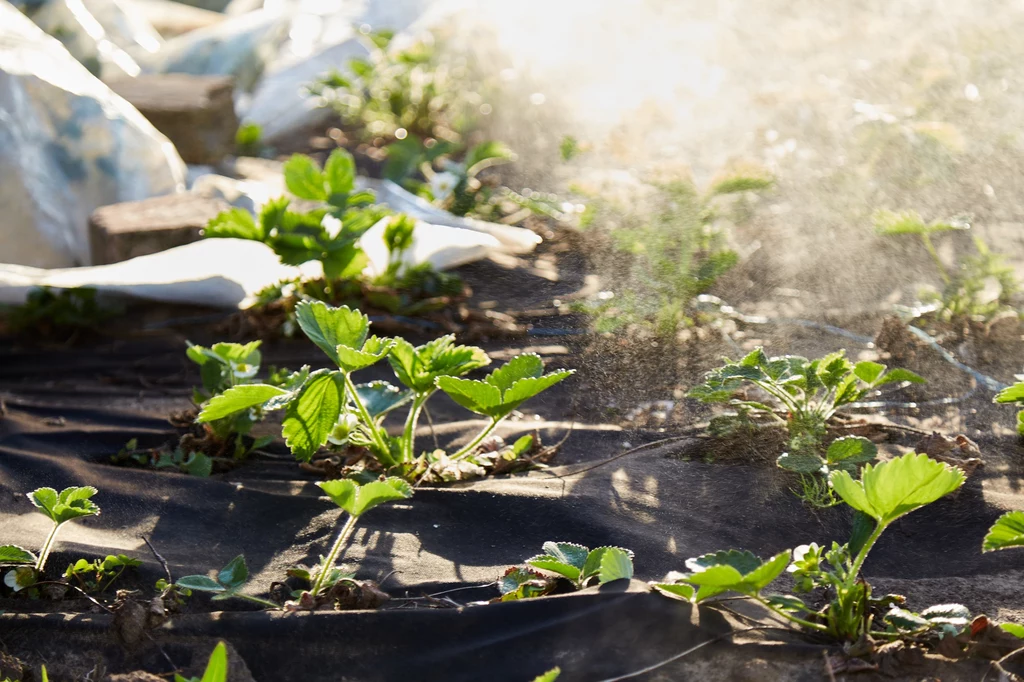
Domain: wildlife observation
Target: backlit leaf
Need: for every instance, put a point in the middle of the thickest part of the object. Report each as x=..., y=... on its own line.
x=1008, y=531
x=234, y=574
x=329, y=327
x=675, y=590
x=476, y=396
x=616, y=564
x=1012, y=394
x=547, y=562
x=892, y=489
x=851, y=450
x=12, y=554
x=71, y=503
x=304, y=179
x=358, y=499
x=868, y=371
x=526, y=365
x=311, y=417
x=373, y=350
x=200, y=582
x=217, y=666
x=340, y=172
x=568, y=553
x=236, y=399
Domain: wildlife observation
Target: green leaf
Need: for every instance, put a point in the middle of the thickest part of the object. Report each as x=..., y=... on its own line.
x=759, y=578
x=236, y=399
x=303, y=178
x=522, y=444
x=868, y=371
x=851, y=450
x=549, y=676
x=330, y=327
x=901, y=619
x=743, y=561
x=524, y=389
x=234, y=224
x=899, y=376
x=526, y=365
x=358, y=499
x=311, y=417
x=568, y=553
x=71, y=503
x=380, y=397
x=345, y=263
x=675, y=590
x=789, y=603
x=373, y=350
x=198, y=464
x=1014, y=629
x=892, y=489
x=952, y=614
x=616, y=564
x=595, y=562
x=800, y=462
x=1012, y=394
x=735, y=571
x=477, y=396
x=340, y=172
x=547, y=562
x=516, y=577
x=201, y=583
x=1006, y=532
x=12, y=554
x=234, y=574
x=217, y=667
x=419, y=367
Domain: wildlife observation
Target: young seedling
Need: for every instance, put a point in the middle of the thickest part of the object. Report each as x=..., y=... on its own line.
x=227, y=585
x=577, y=564
x=1015, y=395
x=964, y=292
x=355, y=500
x=67, y=505
x=99, y=575
x=809, y=393
x=216, y=667
x=549, y=676
x=885, y=493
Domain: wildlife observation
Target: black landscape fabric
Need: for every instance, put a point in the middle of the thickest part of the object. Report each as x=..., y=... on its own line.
x=65, y=412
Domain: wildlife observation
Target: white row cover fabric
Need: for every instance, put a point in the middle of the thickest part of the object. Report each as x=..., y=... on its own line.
x=68, y=145
x=227, y=273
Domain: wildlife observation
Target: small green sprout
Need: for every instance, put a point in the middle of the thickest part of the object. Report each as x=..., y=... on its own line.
x=885, y=493
x=216, y=667
x=355, y=500
x=227, y=585
x=577, y=564
x=69, y=504
x=99, y=575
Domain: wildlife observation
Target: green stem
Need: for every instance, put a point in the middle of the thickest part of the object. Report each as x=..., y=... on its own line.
x=409, y=433
x=855, y=567
x=790, y=617
x=111, y=581
x=328, y=564
x=258, y=600
x=44, y=553
x=476, y=441
x=935, y=257
x=383, y=451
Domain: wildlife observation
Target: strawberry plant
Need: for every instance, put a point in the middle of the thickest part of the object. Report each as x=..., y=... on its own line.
x=57, y=314
x=885, y=493
x=99, y=575
x=69, y=504
x=355, y=500
x=578, y=565
x=227, y=584
x=965, y=289
x=1014, y=394
x=329, y=406
x=803, y=395
x=667, y=251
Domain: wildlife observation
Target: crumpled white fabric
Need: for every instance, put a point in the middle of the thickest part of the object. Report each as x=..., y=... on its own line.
x=228, y=273
x=68, y=145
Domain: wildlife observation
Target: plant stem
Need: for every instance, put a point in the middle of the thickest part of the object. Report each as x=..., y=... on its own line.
x=476, y=441
x=409, y=433
x=855, y=567
x=790, y=617
x=332, y=556
x=44, y=553
x=384, y=452
x=258, y=600
x=935, y=257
